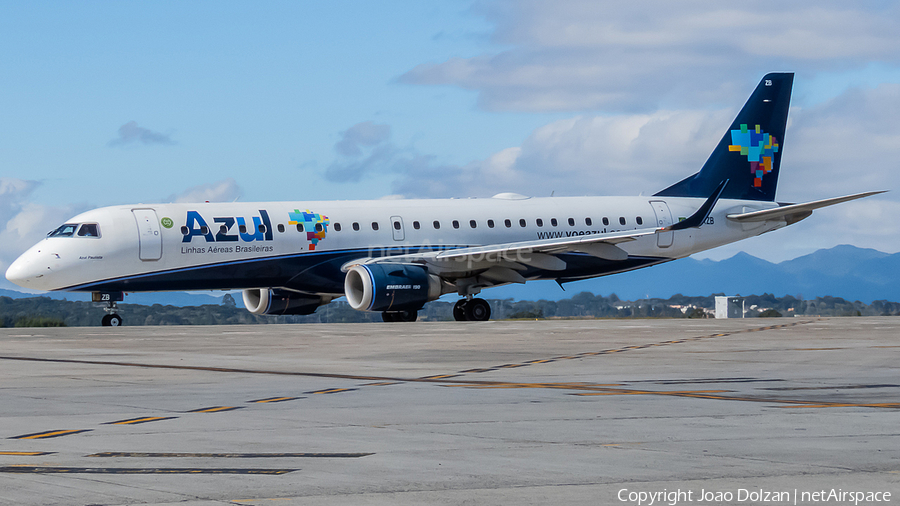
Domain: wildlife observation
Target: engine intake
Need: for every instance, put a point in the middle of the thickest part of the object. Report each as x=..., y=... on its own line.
x=273, y=301
x=390, y=287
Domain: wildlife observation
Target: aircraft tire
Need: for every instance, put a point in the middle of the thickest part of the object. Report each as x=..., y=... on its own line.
x=388, y=317
x=459, y=310
x=115, y=320
x=105, y=320
x=406, y=316
x=478, y=310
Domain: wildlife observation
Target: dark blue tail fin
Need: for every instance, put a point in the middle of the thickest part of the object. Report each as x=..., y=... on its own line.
x=749, y=155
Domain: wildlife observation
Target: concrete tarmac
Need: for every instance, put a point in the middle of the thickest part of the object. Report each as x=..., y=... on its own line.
x=770, y=411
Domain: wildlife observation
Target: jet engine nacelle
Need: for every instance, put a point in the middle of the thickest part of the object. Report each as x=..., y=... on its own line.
x=390, y=287
x=272, y=301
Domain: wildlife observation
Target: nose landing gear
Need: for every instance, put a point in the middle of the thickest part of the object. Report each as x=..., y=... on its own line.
x=110, y=298
x=474, y=310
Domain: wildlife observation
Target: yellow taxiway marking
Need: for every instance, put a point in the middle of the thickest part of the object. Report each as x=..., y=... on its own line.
x=214, y=409
x=655, y=392
x=332, y=390
x=381, y=383
x=273, y=399
x=145, y=419
x=26, y=454
x=49, y=434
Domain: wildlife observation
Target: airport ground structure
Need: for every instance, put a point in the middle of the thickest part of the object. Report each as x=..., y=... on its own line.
x=542, y=412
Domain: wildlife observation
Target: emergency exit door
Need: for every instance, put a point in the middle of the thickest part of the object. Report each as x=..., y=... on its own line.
x=148, y=234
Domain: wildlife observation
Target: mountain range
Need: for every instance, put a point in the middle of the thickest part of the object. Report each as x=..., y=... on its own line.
x=843, y=271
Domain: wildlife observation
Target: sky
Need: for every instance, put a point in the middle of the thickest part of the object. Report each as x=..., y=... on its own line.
x=106, y=103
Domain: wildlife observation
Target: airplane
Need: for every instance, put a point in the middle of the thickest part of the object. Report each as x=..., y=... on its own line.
x=393, y=256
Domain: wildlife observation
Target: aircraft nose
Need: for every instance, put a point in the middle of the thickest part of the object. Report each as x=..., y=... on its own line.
x=25, y=271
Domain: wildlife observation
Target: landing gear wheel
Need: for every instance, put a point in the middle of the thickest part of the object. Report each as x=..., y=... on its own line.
x=388, y=317
x=478, y=310
x=105, y=320
x=406, y=316
x=115, y=320
x=459, y=310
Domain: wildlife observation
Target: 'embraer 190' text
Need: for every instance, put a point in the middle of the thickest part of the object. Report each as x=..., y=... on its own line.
x=261, y=230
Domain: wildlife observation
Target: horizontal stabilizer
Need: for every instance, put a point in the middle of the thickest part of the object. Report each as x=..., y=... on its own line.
x=796, y=209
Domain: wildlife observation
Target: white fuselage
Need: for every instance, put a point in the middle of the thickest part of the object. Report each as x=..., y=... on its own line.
x=202, y=246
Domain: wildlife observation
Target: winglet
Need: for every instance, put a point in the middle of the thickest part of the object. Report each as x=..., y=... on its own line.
x=699, y=217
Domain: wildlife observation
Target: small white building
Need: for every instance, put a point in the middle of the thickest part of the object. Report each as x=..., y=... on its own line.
x=729, y=307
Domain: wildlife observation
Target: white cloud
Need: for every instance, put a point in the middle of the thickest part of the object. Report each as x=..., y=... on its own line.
x=613, y=55
x=226, y=190
x=24, y=223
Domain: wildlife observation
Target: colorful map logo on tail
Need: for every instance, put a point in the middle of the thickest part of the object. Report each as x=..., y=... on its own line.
x=314, y=224
x=759, y=148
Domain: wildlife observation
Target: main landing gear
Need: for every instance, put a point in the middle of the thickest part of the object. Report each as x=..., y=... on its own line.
x=400, y=316
x=474, y=310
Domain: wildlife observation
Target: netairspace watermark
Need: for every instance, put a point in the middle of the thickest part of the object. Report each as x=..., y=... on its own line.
x=835, y=496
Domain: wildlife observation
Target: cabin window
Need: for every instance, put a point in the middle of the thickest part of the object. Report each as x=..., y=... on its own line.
x=455, y=224
x=299, y=227
x=261, y=228
x=472, y=223
x=396, y=225
x=437, y=224
x=588, y=222
x=184, y=231
x=280, y=228
x=241, y=228
x=337, y=227
x=89, y=230
x=640, y=221
x=374, y=225
x=507, y=223
x=571, y=222
x=522, y=223
x=490, y=223
x=355, y=226
x=416, y=225
x=553, y=222
x=606, y=221
x=621, y=220
x=205, y=230
x=539, y=222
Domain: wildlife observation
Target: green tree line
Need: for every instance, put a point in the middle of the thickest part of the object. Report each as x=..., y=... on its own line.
x=43, y=311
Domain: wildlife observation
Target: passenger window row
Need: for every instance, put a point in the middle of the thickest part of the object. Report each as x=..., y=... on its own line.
x=92, y=229
x=474, y=224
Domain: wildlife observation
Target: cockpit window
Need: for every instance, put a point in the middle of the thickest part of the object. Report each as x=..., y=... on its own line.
x=89, y=230
x=67, y=230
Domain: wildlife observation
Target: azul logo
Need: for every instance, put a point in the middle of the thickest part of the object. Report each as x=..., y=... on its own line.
x=259, y=230
x=759, y=148
x=314, y=224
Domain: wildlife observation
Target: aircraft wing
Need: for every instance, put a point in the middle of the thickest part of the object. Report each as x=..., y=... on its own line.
x=502, y=262
x=796, y=212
